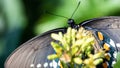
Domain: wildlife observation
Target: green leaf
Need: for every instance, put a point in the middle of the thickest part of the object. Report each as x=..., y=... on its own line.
x=117, y=65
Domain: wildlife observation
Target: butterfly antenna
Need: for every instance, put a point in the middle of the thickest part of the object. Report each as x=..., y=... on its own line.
x=75, y=9
x=56, y=15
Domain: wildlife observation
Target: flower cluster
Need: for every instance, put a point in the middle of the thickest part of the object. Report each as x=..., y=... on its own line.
x=76, y=49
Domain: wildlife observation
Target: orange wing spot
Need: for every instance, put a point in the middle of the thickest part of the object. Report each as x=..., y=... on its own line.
x=106, y=47
x=105, y=65
x=100, y=36
x=107, y=56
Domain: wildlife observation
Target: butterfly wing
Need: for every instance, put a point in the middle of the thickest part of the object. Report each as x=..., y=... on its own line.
x=109, y=25
x=33, y=52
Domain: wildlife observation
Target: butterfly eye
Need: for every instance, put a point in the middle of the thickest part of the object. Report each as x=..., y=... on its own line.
x=100, y=36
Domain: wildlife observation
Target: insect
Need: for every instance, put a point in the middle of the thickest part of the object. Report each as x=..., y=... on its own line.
x=35, y=51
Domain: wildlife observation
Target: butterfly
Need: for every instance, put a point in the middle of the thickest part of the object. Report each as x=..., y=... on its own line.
x=37, y=49
x=33, y=53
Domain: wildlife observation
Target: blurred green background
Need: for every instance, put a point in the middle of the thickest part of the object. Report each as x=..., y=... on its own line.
x=20, y=20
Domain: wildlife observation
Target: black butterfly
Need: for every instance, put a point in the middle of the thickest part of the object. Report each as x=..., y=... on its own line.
x=37, y=49
x=34, y=52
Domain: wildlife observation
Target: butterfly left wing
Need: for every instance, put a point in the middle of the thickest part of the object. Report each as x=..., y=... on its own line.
x=33, y=53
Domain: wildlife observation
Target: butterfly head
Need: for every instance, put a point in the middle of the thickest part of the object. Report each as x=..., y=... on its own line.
x=72, y=24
